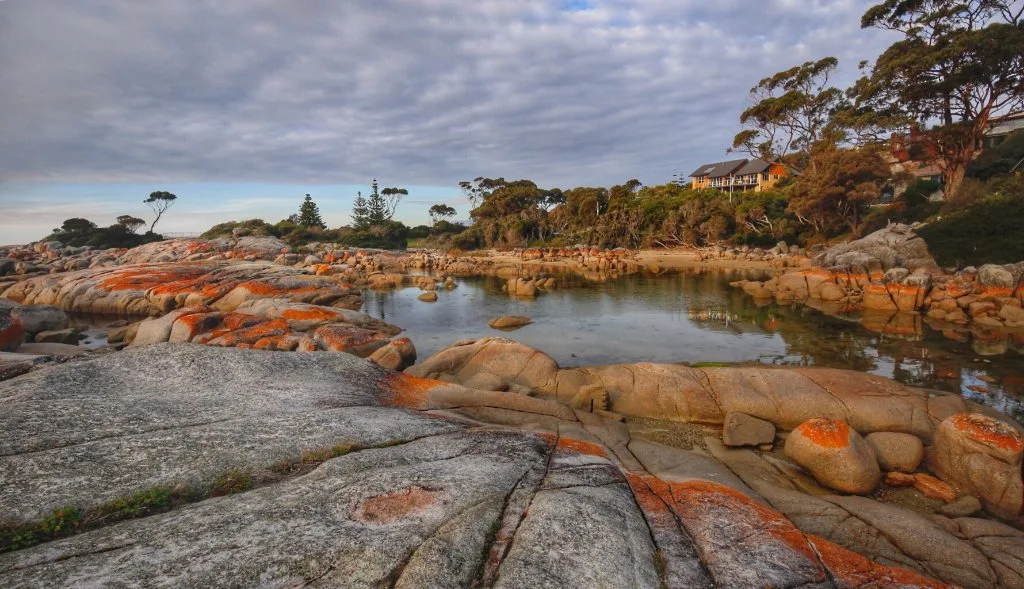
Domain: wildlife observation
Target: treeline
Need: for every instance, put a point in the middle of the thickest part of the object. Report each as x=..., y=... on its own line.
x=509, y=214
x=935, y=93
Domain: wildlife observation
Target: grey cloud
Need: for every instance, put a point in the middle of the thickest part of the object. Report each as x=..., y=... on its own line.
x=415, y=92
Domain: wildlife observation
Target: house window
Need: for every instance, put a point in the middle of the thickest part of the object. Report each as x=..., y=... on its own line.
x=764, y=175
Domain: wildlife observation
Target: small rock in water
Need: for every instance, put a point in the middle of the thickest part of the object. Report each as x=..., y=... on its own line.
x=509, y=321
x=428, y=297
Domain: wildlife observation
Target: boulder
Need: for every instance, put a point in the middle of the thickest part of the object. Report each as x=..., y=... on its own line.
x=398, y=354
x=993, y=277
x=894, y=246
x=741, y=429
x=896, y=451
x=509, y=321
x=69, y=335
x=835, y=455
x=981, y=456
x=428, y=297
x=12, y=334
x=521, y=287
x=831, y=292
x=36, y=318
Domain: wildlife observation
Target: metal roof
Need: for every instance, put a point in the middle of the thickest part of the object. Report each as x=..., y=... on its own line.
x=719, y=169
x=754, y=166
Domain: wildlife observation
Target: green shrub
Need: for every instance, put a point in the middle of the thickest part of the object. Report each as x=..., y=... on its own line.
x=988, y=231
x=256, y=227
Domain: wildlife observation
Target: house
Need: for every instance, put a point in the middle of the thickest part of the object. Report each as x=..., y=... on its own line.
x=754, y=175
x=1000, y=128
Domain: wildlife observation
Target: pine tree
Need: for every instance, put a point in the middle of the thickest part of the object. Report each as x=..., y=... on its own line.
x=360, y=212
x=376, y=206
x=309, y=214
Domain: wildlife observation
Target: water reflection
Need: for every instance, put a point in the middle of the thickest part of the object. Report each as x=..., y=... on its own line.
x=696, y=317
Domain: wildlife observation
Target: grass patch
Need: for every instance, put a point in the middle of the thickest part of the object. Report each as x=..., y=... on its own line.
x=711, y=364
x=70, y=520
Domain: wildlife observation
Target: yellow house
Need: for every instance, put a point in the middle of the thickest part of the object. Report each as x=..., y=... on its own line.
x=754, y=175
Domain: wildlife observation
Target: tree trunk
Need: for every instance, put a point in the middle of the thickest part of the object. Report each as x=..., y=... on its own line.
x=952, y=179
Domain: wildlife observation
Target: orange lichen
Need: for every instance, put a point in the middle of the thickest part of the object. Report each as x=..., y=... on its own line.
x=699, y=503
x=234, y=321
x=825, y=432
x=341, y=338
x=268, y=343
x=958, y=289
x=404, y=390
x=261, y=288
x=654, y=506
x=988, y=431
x=580, y=447
x=249, y=335
x=396, y=505
x=851, y=570
x=933, y=488
x=309, y=314
x=198, y=322
x=996, y=291
x=152, y=276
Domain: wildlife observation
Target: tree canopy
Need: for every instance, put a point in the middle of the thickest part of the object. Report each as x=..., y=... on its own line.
x=958, y=65
x=440, y=212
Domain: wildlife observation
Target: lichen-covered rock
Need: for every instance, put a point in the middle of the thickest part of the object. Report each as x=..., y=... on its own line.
x=154, y=289
x=981, y=456
x=835, y=454
x=339, y=473
x=896, y=451
x=398, y=354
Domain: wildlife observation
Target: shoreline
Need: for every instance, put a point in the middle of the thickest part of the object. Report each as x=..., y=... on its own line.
x=661, y=259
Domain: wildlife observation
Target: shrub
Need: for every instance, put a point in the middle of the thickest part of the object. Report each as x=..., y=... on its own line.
x=987, y=231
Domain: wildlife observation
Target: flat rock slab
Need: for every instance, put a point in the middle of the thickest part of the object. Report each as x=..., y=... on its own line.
x=361, y=520
x=165, y=415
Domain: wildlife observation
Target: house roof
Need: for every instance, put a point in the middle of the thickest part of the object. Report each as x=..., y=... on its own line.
x=718, y=170
x=754, y=166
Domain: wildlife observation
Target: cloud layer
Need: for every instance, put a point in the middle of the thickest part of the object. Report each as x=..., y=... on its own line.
x=425, y=92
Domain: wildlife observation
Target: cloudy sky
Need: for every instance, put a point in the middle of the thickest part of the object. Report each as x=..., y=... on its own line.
x=242, y=106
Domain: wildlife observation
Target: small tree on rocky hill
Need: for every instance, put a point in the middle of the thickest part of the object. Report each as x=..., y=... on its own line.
x=159, y=201
x=309, y=214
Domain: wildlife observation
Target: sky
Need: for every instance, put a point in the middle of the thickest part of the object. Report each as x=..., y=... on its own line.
x=241, y=107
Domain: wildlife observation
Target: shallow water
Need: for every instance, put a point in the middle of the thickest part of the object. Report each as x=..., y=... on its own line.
x=696, y=317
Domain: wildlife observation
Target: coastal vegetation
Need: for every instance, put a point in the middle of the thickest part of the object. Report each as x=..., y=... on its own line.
x=78, y=232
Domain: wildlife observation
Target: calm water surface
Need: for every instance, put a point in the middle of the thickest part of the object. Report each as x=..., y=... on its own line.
x=696, y=317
